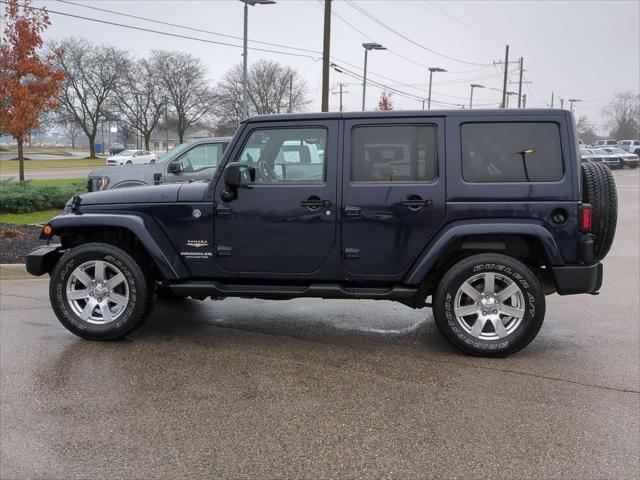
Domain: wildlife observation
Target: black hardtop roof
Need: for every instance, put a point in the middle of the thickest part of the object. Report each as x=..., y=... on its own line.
x=507, y=112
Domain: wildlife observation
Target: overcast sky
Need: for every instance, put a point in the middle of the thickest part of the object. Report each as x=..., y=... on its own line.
x=578, y=49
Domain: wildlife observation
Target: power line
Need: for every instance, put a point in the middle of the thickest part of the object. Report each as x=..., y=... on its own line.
x=463, y=23
x=167, y=34
x=209, y=32
x=401, y=35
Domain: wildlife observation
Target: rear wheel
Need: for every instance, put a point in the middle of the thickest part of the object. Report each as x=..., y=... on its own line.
x=599, y=190
x=489, y=305
x=99, y=292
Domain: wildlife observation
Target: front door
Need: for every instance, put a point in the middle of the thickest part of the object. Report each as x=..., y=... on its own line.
x=284, y=222
x=393, y=193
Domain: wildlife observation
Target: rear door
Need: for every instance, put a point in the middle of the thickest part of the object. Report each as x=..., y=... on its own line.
x=393, y=193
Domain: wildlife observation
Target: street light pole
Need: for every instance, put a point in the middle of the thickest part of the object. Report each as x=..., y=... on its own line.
x=572, y=101
x=473, y=85
x=431, y=71
x=244, y=49
x=367, y=47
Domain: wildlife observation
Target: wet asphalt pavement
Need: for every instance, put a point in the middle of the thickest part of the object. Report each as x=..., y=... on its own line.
x=315, y=389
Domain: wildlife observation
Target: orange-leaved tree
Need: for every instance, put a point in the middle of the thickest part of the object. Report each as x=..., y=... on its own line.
x=385, y=102
x=29, y=83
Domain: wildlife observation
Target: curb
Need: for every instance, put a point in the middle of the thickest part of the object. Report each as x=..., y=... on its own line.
x=14, y=271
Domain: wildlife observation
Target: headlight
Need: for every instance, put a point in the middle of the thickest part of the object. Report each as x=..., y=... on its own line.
x=99, y=183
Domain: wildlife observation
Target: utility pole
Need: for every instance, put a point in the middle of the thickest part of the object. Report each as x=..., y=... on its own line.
x=367, y=47
x=551, y=99
x=326, y=48
x=431, y=72
x=504, y=82
x=524, y=101
x=166, y=124
x=423, y=104
x=290, y=93
x=340, y=92
x=520, y=84
x=561, y=102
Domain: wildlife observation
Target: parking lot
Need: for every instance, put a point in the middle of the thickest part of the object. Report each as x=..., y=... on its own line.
x=311, y=389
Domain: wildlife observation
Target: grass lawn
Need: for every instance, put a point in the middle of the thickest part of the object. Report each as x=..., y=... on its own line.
x=28, y=218
x=13, y=165
x=59, y=181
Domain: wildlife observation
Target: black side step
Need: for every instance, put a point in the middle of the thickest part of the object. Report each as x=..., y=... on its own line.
x=281, y=292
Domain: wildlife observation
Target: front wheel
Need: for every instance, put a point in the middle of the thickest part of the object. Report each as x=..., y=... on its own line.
x=489, y=305
x=98, y=292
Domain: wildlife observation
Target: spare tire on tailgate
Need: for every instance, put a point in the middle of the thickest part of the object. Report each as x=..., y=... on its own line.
x=599, y=190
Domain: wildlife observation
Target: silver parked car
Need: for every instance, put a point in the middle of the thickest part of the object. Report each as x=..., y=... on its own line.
x=631, y=146
x=194, y=160
x=624, y=158
x=599, y=155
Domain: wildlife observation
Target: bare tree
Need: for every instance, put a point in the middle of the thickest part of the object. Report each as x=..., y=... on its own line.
x=183, y=76
x=70, y=130
x=585, y=130
x=93, y=72
x=624, y=115
x=140, y=99
x=272, y=88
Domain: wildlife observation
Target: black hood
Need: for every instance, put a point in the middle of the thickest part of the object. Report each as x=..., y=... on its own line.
x=167, y=193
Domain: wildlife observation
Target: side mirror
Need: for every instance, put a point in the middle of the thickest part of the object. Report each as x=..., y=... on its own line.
x=235, y=177
x=174, y=167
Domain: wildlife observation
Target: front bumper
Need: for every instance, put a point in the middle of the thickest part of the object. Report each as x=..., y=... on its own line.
x=43, y=259
x=574, y=279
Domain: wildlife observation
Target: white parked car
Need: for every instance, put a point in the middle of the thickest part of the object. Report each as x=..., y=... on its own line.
x=631, y=146
x=132, y=157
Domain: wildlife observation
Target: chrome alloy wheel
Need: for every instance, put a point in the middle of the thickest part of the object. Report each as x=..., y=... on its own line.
x=97, y=292
x=489, y=306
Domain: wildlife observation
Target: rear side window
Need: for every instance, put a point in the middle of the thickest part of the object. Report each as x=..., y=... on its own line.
x=393, y=153
x=511, y=152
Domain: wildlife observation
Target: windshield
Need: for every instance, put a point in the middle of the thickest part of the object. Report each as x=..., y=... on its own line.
x=585, y=152
x=617, y=150
x=126, y=153
x=601, y=152
x=172, y=153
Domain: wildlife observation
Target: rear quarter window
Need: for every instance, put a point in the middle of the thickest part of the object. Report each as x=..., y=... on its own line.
x=511, y=152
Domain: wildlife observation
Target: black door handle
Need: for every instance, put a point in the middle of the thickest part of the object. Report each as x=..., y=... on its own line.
x=352, y=211
x=314, y=202
x=416, y=202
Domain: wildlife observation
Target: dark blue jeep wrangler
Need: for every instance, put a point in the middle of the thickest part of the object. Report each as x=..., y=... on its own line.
x=477, y=214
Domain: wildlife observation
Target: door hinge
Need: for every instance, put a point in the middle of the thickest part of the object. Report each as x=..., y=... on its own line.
x=223, y=251
x=351, y=253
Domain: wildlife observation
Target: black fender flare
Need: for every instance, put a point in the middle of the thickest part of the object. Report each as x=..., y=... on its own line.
x=147, y=231
x=430, y=255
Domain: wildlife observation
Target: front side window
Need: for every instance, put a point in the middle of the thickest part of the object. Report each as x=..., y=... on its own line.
x=393, y=153
x=511, y=152
x=202, y=156
x=286, y=155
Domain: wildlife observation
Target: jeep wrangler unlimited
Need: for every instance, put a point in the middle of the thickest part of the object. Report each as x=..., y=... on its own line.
x=477, y=214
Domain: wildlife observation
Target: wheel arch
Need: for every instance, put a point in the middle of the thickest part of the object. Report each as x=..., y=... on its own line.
x=139, y=235
x=530, y=243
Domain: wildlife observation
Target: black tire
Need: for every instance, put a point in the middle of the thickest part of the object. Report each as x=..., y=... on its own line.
x=506, y=270
x=633, y=165
x=599, y=190
x=129, y=162
x=140, y=297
